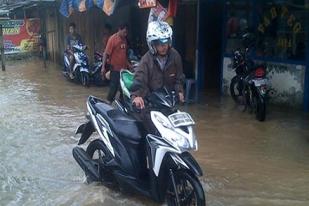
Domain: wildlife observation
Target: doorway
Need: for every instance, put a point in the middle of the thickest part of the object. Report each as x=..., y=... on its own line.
x=211, y=13
x=185, y=28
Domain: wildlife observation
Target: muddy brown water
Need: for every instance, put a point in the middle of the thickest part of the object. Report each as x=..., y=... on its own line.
x=245, y=162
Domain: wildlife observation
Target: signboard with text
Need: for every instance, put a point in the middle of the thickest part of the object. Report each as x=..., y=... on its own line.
x=21, y=35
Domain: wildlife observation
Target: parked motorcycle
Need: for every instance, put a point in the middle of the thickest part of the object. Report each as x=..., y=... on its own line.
x=157, y=166
x=80, y=71
x=95, y=73
x=250, y=85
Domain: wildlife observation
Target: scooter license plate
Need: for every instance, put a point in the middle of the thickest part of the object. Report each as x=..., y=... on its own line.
x=180, y=119
x=260, y=82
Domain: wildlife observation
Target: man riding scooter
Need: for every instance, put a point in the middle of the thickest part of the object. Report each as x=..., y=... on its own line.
x=160, y=67
x=72, y=39
x=156, y=164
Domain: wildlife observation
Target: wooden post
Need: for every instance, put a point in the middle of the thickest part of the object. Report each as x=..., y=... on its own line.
x=306, y=86
x=2, y=48
x=43, y=43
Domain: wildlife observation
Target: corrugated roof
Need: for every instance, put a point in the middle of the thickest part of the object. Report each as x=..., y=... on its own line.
x=2, y=2
x=8, y=6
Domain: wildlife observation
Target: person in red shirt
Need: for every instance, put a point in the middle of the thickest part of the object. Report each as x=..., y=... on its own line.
x=116, y=52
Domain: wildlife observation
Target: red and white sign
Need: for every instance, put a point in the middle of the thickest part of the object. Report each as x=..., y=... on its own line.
x=143, y=4
x=21, y=35
x=158, y=13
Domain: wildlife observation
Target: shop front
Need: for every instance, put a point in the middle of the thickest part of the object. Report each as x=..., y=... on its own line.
x=281, y=42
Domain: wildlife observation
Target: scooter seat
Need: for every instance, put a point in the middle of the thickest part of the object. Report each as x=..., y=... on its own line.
x=103, y=108
x=126, y=126
x=122, y=124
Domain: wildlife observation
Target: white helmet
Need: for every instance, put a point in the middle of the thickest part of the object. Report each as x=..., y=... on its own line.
x=158, y=31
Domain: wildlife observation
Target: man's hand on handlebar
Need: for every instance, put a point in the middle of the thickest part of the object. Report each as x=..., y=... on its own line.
x=138, y=102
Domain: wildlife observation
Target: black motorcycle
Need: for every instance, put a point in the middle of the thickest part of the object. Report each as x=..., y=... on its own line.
x=95, y=73
x=249, y=86
x=158, y=166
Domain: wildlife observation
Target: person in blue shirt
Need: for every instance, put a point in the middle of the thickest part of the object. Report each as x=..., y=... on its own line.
x=72, y=39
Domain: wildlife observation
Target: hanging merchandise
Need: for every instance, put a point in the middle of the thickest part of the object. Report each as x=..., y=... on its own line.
x=143, y=4
x=82, y=6
x=69, y=6
x=172, y=8
x=108, y=6
x=66, y=8
x=158, y=13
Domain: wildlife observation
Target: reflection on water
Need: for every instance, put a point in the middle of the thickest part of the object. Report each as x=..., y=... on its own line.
x=245, y=162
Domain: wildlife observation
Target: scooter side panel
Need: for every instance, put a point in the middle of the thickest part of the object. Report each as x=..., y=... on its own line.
x=127, y=156
x=158, y=149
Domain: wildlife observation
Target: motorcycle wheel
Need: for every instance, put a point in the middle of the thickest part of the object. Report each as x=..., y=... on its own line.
x=98, y=152
x=189, y=189
x=234, y=89
x=260, y=111
x=85, y=79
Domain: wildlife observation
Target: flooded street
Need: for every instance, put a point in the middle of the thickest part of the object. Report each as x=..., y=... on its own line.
x=245, y=162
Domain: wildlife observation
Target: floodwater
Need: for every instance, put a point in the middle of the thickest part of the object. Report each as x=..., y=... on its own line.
x=245, y=162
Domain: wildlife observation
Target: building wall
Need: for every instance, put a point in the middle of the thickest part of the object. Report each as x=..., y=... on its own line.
x=51, y=31
x=287, y=81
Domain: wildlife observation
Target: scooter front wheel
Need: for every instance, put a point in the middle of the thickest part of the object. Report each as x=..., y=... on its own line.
x=85, y=79
x=188, y=188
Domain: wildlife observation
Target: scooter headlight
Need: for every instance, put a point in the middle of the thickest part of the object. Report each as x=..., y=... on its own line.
x=188, y=143
x=184, y=139
x=182, y=142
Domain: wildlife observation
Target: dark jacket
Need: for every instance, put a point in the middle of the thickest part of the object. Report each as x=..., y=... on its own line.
x=149, y=76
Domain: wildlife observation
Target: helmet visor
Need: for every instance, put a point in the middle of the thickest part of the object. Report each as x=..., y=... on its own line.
x=162, y=41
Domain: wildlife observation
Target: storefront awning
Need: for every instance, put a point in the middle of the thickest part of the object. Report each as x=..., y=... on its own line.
x=108, y=6
x=11, y=6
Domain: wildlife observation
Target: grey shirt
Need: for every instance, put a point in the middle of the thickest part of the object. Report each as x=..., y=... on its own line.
x=162, y=62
